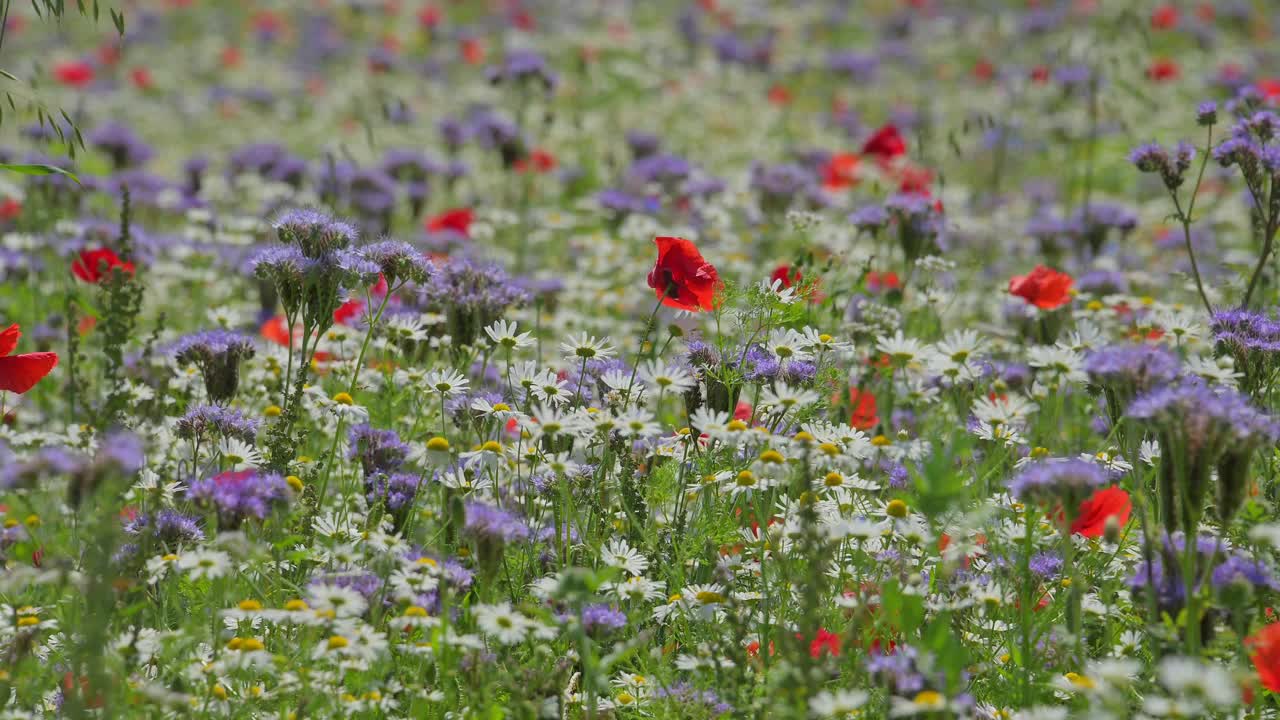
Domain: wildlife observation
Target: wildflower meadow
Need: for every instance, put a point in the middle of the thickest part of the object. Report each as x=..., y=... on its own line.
x=674, y=359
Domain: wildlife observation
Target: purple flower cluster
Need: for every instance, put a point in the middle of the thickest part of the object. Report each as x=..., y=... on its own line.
x=238, y=496
x=367, y=584
x=202, y=421
x=1202, y=428
x=218, y=354
x=1056, y=480
x=396, y=491
x=1131, y=369
x=379, y=451
x=1208, y=420
x=170, y=528
x=471, y=295
x=1229, y=568
x=313, y=232
x=1172, y=166
x=209, y=345
x=602, y=619
x=684, y=694
x=487, y=522
x=398, y=261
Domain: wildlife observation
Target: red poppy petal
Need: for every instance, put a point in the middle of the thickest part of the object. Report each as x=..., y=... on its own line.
x=20, y=373
x=9, y=339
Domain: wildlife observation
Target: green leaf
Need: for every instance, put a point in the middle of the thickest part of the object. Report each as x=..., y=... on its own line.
x=87, y=308
x=38, y=169
x=118, y=18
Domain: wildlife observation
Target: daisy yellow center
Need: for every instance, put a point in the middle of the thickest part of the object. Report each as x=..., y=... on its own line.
x=709, y=596
x=746, y=478
x=929, y=698
x=438, y=444
x=772, y=456
x=491, y=446
x=337, y=642
x=344, y=398
x=1080, y=681
x=896, y=508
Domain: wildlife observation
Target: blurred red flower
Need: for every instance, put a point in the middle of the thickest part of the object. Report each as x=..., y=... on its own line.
x=1164, y=17
x=1163, y=70
x=841, y=171
x=787, y=274
x=1043, y=287
x=886, y=144
x=457, y=219
x=1103, y=504
x=94, y=265
x=1265, y=647
x=864, y=415
x=74, y=73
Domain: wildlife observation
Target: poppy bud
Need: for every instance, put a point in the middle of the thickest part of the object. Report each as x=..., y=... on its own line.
x=675, y=331
x=1111, y=530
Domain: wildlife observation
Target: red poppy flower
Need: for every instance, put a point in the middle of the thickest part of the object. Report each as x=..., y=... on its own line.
x=824, y=641
x=1270, y=88
x=1043, y=287
x=886, y=144
x=94, y=265
x=788, y=275
x=864, y=415
x=458, y=220
x=1164, y=17
x=20, y=373
x=915, y=180
x=74, y=73
x=1265, y=647
x=681, y=277
x=141, y=78
x=1163, y=70
x=348, y=311
x=1040, y=74
x=779, y=95
x=429, y=17
x=1103, y=504
x=231, y=57
x=10, y=208
x=878, y=282
x=539, y=161
x=743, y=411
x=984, y=70
x=472, y=51
x=840, y=171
